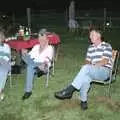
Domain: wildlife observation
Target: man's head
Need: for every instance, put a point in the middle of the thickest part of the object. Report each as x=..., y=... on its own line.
x=96, y=36
x=42, y=36
x=42, y=31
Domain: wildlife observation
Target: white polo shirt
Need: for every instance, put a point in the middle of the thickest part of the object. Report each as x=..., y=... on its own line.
x=40, y=57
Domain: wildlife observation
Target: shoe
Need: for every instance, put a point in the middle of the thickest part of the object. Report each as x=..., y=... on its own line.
x=84, y=105
x=39, y=72
x=64, y=94
x=26, y=95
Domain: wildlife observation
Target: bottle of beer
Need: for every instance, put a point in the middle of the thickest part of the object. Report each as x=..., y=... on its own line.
x=27, y=35
x=21, y=32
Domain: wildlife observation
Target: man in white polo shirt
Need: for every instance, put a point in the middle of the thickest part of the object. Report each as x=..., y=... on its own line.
x=40, y=55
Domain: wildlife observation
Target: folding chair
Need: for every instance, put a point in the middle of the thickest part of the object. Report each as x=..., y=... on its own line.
x=12, y=62
x=113, y=72
x=10, y=74
x=56, y=51
x=49, y=69
x=10, y=78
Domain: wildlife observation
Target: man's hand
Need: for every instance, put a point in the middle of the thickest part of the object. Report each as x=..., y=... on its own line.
x=3, y=61
x=43, y=67
x=24, y=51
x=102, y=62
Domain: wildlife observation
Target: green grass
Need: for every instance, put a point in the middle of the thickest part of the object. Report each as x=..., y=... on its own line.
x=42, y=105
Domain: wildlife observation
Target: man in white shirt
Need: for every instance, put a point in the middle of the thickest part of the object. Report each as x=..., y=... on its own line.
x=5, y=56
x=40, y=56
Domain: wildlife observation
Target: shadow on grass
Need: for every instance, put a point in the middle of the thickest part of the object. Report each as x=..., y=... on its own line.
x=109, y=102
x=11, y=116
x=63, y=105
x=68, y=104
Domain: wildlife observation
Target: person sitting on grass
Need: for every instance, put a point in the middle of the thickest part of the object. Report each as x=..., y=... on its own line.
x=5, y=63
x=97, y=66
x=37, y=59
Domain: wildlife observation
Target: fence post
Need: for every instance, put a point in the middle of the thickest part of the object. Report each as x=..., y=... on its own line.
x=105, y=14
x=29, y=17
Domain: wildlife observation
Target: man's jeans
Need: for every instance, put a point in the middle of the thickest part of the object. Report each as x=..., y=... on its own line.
x=4, y=69
x=30, y=72
x=86, y=75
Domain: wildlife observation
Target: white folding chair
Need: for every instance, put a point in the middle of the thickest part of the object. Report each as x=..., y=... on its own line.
x=113, y=72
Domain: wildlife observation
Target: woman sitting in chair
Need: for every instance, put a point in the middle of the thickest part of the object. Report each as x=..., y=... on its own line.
x=38, y=58
x=5, y=65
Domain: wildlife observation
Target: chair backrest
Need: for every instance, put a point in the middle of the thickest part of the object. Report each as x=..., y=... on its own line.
x=115, y=59
x=113, y=72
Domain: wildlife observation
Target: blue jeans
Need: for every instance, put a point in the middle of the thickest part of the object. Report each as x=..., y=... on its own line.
x=30, y=72
x=86, y=75
x=4, y=69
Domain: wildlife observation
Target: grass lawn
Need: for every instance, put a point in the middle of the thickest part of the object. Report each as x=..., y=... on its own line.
x=42, y=105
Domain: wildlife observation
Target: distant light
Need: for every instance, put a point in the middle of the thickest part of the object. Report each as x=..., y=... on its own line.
x=4, y=16
x=107, y=23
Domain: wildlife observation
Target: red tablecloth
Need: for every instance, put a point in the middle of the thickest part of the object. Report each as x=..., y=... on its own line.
x=20, y=44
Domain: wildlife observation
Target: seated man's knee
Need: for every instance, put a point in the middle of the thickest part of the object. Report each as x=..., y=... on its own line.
x=86, y=67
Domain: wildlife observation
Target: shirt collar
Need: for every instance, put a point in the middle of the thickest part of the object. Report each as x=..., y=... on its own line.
x=98, y=45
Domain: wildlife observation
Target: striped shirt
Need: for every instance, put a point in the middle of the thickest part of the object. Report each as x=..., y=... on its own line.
x=96, y=54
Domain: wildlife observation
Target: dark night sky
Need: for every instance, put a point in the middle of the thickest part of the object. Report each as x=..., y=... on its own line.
x=19, y=6
x=82, y=4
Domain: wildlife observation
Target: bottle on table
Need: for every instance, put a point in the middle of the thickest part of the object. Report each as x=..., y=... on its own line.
x=21, y=32
x=27, y=34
